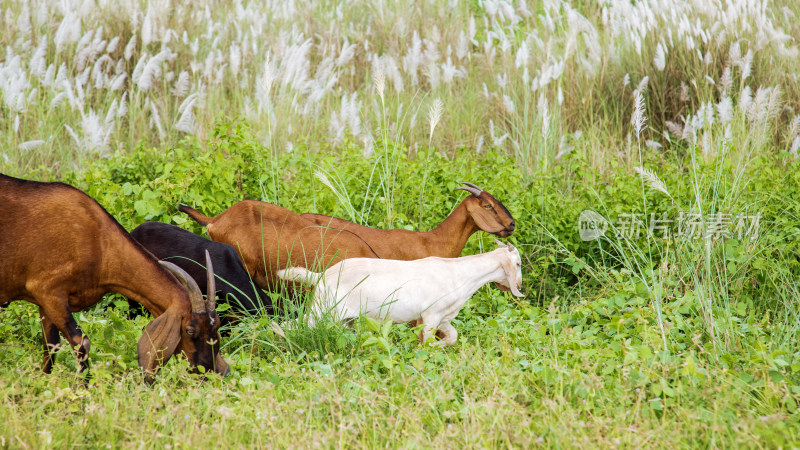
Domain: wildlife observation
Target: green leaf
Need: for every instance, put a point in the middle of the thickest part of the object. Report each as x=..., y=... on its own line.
x=373, y=325
x=386, y=328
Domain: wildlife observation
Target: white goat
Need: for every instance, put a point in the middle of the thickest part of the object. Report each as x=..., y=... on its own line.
x=430, y=290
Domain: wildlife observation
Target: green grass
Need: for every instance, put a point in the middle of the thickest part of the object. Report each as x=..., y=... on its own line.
x=628, y=341
x=517, y=377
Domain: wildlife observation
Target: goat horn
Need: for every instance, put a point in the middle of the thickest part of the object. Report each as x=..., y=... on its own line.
x=195, y=296
x=500, y=244
x=211, y=291
x=471, y=185
x=474, y=190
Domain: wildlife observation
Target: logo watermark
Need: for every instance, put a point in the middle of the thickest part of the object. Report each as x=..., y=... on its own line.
x=591, y=225
x=687, y=225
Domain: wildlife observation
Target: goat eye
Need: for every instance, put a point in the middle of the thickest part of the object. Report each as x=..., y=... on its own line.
x=488, y=207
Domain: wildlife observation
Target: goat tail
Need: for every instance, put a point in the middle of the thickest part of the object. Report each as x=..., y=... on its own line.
x=299, y=274
x=195, y=214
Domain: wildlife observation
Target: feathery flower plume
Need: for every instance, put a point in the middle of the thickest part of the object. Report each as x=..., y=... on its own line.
x=380, y=82
x=508, y=104
x=186, y=122
x=155, y=119
x=129, y=48
x=544, y=111
x=725, y=81
x=122, y=110
x=654, y=145
x=794, y=129
x=31, y=145
x=725, y=109
x=651, y=179
x=434, y=114
x=660, y=60
x=522, y=55
x=112, y=45
x=69, y=31
x=235, y=59
x=181, y=85
x=340, y=191
x=642, y=87
x=638, y=118
x=118, y=82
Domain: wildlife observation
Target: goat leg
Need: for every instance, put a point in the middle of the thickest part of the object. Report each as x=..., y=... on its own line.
x=63, y=320
x=422, y=337
x=447, y=333
x=52, y=342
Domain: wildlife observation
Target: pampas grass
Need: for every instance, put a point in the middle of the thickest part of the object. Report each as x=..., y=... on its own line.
x=434, y=115
x=280, y=67
x=652, y=180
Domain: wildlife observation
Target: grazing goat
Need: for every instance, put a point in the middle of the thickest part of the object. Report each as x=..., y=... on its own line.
x=479, y=211
x=269, y=237
x=62, y=251
x=186, y=249
x=430, y=291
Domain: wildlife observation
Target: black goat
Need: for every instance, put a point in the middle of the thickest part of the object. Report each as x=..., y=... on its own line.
x=186, y=250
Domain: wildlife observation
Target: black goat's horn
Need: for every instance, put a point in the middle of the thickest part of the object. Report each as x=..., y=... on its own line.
x=211, y=286
x=195, y=296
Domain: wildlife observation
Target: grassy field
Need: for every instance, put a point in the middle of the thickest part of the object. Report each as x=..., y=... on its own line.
x=675, y=123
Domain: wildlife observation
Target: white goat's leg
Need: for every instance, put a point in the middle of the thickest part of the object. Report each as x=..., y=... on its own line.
x=427, y=332
x=449, y=332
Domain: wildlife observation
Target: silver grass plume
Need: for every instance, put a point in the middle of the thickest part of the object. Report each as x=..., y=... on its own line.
x=129, y=48
x=181, y=85
x=31, y=145
x=794, y=129
x=380, y=82
x=651, y=179
x=434, y=115
x=642, y=87
x=638, y=118
x=186, y=122
x=660, y=60
x=155, y=119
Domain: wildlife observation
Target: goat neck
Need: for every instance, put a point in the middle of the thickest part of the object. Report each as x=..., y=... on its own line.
x=449, y=238
x=130, y=274
x=478, y=270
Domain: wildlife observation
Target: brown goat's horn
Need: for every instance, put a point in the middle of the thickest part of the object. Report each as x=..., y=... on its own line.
x=471, y=185
x=471, y=188
x=195, y=296
x=211, y=291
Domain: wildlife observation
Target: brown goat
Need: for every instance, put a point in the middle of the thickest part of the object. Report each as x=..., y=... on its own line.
x=479, y=211
x=269, y=238
x=62, y=251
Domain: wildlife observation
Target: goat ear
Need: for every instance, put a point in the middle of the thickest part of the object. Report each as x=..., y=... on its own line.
x=511, y=274
x=158, y=343
x=221, y=366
